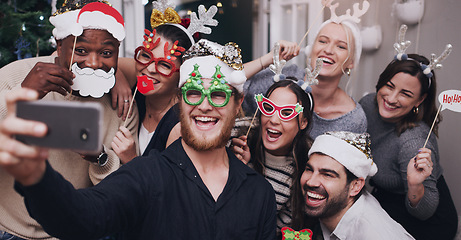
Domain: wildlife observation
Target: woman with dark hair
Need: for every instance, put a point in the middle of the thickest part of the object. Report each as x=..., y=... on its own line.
x=277, y=147
x=409, y=184
x=156, y=65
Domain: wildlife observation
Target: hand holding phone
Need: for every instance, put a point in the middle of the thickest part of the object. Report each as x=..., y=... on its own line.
x=71, y=125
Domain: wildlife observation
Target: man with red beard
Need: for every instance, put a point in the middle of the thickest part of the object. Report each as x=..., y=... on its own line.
x=99, y=33
x=195, y=189
x=333, y=188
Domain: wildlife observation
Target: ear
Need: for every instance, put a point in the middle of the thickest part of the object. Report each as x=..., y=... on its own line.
x=303, y=123
x=239, y=108
x=356, y=186
x=421, y=99
x=350, y=65
x=241, y=100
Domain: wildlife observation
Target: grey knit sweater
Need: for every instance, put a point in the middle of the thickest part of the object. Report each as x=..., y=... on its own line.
x=278, y=172
x=392, y=153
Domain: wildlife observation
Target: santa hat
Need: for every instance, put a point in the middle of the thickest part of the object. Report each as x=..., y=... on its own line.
x=95, y=15
x=352, y=150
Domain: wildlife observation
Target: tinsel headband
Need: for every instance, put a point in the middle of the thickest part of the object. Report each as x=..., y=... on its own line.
x=207, y=55
x=352, y=150
x=163, y=13
x=72, y=5
x=435, y=62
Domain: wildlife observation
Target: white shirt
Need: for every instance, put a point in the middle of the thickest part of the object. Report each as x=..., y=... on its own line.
x=144, y=138
x=366, y=219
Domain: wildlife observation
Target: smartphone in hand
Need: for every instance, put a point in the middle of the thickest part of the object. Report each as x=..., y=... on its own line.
x=71, y=125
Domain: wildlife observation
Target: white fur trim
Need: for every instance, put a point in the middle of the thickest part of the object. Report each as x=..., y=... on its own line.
x=349, y=156
x=65, y=24
x=102, y=21
x=207, y=69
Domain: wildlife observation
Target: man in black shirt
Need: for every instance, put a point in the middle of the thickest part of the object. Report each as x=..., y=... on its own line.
x=195, y=189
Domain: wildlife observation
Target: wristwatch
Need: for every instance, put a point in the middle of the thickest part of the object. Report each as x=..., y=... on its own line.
x=102, y=159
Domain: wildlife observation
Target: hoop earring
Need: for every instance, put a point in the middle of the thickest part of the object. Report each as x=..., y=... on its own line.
x=415, y=110
x=348, y=71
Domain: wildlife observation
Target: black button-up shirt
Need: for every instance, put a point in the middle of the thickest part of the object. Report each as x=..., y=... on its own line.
x=160, y=196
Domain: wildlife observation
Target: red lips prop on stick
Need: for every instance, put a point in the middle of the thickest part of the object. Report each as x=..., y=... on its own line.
x=144, y=86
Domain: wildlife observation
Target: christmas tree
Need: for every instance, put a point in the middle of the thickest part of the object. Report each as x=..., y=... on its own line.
x=25, y=30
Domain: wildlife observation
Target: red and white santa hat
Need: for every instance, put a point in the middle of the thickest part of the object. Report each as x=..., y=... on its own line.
x=95, y=15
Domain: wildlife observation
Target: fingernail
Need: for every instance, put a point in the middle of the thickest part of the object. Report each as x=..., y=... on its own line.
x=39, y=128
x=419, y=150
x=31, y=94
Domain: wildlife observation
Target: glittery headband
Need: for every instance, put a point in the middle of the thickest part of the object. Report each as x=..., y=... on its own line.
x=360, y=141
x=70, y=5
x=435, y=63
x=229, y=53
x=352, y=150
x=163, y=13
x=207, y=55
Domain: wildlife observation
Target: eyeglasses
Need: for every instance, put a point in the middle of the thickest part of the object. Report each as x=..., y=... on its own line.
x=285, y=113
x=163, y=66
x=218, y=96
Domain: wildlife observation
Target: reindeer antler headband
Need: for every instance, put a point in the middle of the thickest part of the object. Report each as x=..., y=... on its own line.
x=311, y=74
x=348, y=17
x=163, y=13
x=349, y=20
x=435, y=62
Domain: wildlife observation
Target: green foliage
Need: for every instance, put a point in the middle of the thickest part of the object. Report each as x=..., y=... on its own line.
x=27, y=20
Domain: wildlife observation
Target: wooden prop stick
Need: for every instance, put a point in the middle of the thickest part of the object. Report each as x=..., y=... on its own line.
x=433, y=123
x=251, y=124
x=72, y=56
x=131, y=105
x=71, y=61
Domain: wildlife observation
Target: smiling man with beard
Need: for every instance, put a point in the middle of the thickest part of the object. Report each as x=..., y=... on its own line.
x=333, y=188
x=194, y=189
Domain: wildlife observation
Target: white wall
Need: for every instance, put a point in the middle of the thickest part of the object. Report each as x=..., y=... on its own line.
x=133, y=14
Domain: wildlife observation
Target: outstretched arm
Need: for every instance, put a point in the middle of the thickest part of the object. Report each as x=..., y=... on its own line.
x=25, y=163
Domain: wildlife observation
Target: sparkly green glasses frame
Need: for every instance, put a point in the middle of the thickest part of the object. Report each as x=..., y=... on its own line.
x=218, y=95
